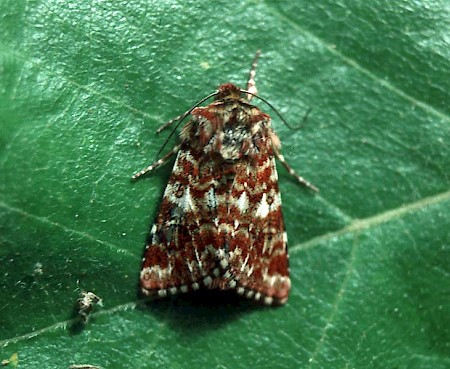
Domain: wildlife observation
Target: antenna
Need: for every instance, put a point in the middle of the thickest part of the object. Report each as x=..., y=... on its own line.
x=305, y=117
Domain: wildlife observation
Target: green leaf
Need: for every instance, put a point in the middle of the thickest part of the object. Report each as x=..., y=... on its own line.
x=84, y=85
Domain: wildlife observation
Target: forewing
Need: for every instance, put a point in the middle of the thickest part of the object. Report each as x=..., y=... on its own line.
x=258, y=260
x=178, y=257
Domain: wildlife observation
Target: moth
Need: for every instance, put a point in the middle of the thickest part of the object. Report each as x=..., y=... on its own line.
x=220, y=224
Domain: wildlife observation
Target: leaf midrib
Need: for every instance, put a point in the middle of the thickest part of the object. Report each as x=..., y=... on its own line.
x=358, y=225
x=353, y=63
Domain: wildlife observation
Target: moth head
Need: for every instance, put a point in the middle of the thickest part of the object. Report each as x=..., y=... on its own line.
x=228, y=91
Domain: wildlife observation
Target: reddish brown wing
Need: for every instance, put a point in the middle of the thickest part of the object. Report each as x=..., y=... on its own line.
x=258, y=260
x=178, y=257
x=226, y=231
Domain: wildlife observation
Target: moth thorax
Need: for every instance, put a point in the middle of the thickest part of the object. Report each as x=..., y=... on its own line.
x=233, y=142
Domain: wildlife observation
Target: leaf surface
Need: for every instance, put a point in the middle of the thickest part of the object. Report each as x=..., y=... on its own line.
x=83, y=88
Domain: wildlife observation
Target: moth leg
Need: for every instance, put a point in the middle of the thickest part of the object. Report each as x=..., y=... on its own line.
x=170, y=122
x=181, y=117
x=158, y=163
x=251, y=83
x=291, y=171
